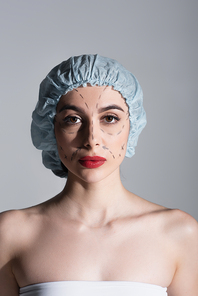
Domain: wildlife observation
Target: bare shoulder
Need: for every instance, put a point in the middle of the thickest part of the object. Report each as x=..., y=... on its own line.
x=15, y=225
x=180, y=225
x=181, y=232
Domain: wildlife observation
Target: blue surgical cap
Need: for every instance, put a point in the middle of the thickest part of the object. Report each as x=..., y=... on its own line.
x=72, y=73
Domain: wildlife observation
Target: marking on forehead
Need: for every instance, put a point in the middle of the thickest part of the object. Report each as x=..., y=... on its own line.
x=102, y=92
x=86, y=105
x=78, y=93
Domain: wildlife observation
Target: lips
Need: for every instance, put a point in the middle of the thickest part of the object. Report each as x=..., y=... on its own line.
x=92, y=162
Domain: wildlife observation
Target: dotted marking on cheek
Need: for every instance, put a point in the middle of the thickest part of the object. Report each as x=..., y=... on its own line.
x=122, y=147
x=81, y=96
x=74, y=153
x=65, y=156
x=112, y=154
x=61, y=148
x=102, y=130
x=121, y=130
x=110, y=134
x=70, y=133
x=119, y=155
x=97, y=106
x=105, y=148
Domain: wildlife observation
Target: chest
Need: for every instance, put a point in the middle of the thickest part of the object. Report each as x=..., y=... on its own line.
x=110, y=254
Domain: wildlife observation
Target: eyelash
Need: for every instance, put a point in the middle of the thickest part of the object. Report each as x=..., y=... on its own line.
x=68, y=118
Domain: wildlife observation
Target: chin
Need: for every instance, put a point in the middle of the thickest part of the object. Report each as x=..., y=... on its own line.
x=89, y=176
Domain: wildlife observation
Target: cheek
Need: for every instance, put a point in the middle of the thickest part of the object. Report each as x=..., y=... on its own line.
x=116, y=144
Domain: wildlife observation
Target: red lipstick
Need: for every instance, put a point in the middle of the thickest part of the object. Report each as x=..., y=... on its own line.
x=92, y=162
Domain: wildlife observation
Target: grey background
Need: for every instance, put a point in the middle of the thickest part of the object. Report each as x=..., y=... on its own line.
x=156, y=40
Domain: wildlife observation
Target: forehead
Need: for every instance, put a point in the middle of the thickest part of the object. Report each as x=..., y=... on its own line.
x=93, y=95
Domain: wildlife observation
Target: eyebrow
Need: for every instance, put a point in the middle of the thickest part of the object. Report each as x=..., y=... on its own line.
x=71, y=107
x=109, y=108
x=78, y=109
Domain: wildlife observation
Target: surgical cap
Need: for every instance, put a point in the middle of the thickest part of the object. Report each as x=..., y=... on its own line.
x=72, y=73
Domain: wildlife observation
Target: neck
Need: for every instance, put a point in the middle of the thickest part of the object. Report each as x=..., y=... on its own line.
x=94, y=204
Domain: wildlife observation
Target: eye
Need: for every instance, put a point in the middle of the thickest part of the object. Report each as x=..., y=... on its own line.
x=72, y=120
x=110, y=119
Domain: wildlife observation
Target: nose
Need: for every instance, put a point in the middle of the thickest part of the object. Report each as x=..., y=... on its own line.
x=92, y=135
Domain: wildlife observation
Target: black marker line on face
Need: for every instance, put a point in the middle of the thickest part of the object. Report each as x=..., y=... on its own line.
x=61, y=148
x=75, y=89
x=110, y=134
x=65, y=156
x=92, y=130
x=86, y=105
x=102, y=130
x=75, y=152
x=119, y=133
x=122, y=147
x=105, y=148
x=81, y=96
x=111, y=154
x=97, y=106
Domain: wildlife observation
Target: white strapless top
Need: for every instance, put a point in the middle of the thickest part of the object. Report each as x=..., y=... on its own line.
x=93, y=288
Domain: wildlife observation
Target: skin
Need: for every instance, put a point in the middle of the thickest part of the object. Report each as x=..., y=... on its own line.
x=95, y=229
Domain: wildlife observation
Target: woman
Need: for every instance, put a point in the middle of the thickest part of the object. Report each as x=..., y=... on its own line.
x=95, y=237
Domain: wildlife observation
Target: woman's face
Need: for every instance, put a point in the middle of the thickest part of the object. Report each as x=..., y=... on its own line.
x=91, y=129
